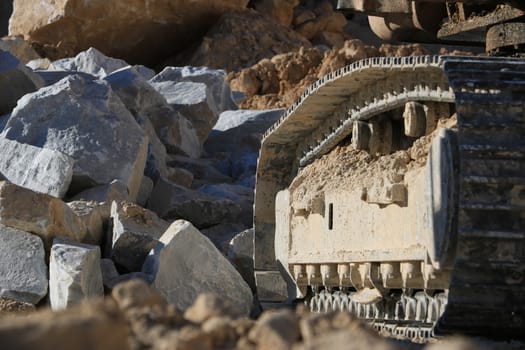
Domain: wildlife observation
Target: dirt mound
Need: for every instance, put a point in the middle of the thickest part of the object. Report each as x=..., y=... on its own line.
x=278, y=82
x=241, y=39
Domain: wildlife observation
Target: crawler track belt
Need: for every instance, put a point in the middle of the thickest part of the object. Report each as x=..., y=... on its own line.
x=487, y=288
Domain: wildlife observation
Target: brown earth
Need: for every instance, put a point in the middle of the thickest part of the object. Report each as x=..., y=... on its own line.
x=346, y=167
x=279, y=81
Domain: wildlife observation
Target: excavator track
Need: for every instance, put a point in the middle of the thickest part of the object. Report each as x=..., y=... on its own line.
x=486, y=293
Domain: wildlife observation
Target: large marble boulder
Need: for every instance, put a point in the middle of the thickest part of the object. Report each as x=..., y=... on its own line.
x=188, y=264
x=135, y=30
x=22, y=266
x=84, y=119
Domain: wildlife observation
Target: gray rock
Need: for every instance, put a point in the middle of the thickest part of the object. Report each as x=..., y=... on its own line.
x=19, y=48
x=246, y=121
x=240, y=253
x=39, y=213
x=135, y=232
x=109, y=272
x=180, y=176
x=16, y=80
x=172, y=201
x=128, y=277
x=91, y=214
x=189, y=264
x=215, y=80
x=237, y=136
x=38, y=169
x=39, y=64
x=22, y=266
x=104, y=195
x=156, y=161
x=144, y=102
x=87, y=121
x=204, y=170
x=222, y=234
x=52, y=77
x=146, y=186
x=194, y=101
x=114, y=191
x=94, y=62
x=111, y=277
x=74, y=273
x=241, y=195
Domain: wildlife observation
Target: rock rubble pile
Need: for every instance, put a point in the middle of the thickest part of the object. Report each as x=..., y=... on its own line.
x=112, y=172
x=136, y=316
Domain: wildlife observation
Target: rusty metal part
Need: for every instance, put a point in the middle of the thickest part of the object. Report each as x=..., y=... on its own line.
x=506, y=35
x=460, y=26
x=400, y=20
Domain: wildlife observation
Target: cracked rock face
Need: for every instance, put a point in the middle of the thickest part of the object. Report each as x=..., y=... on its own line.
x=85, y=120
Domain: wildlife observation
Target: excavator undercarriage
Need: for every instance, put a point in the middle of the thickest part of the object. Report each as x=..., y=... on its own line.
x=394, y=188
x=437, y=246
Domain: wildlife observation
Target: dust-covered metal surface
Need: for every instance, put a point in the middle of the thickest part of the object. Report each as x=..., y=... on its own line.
x=477, y=262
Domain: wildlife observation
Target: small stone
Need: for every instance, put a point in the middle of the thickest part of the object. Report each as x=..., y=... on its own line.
x=135, y=232
x=12, y=306
x=135, y=294
x=240, y=253
x=38, y=169
x=109, y=272
x=146, y=186
x=74, y=273
x=221, y=331
x=90, y=213
x=22, y=266
x=204, y=171
x=180, y=176
x=276, y=330
x=172, y=201
x=208, y=305
x=314, y=325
